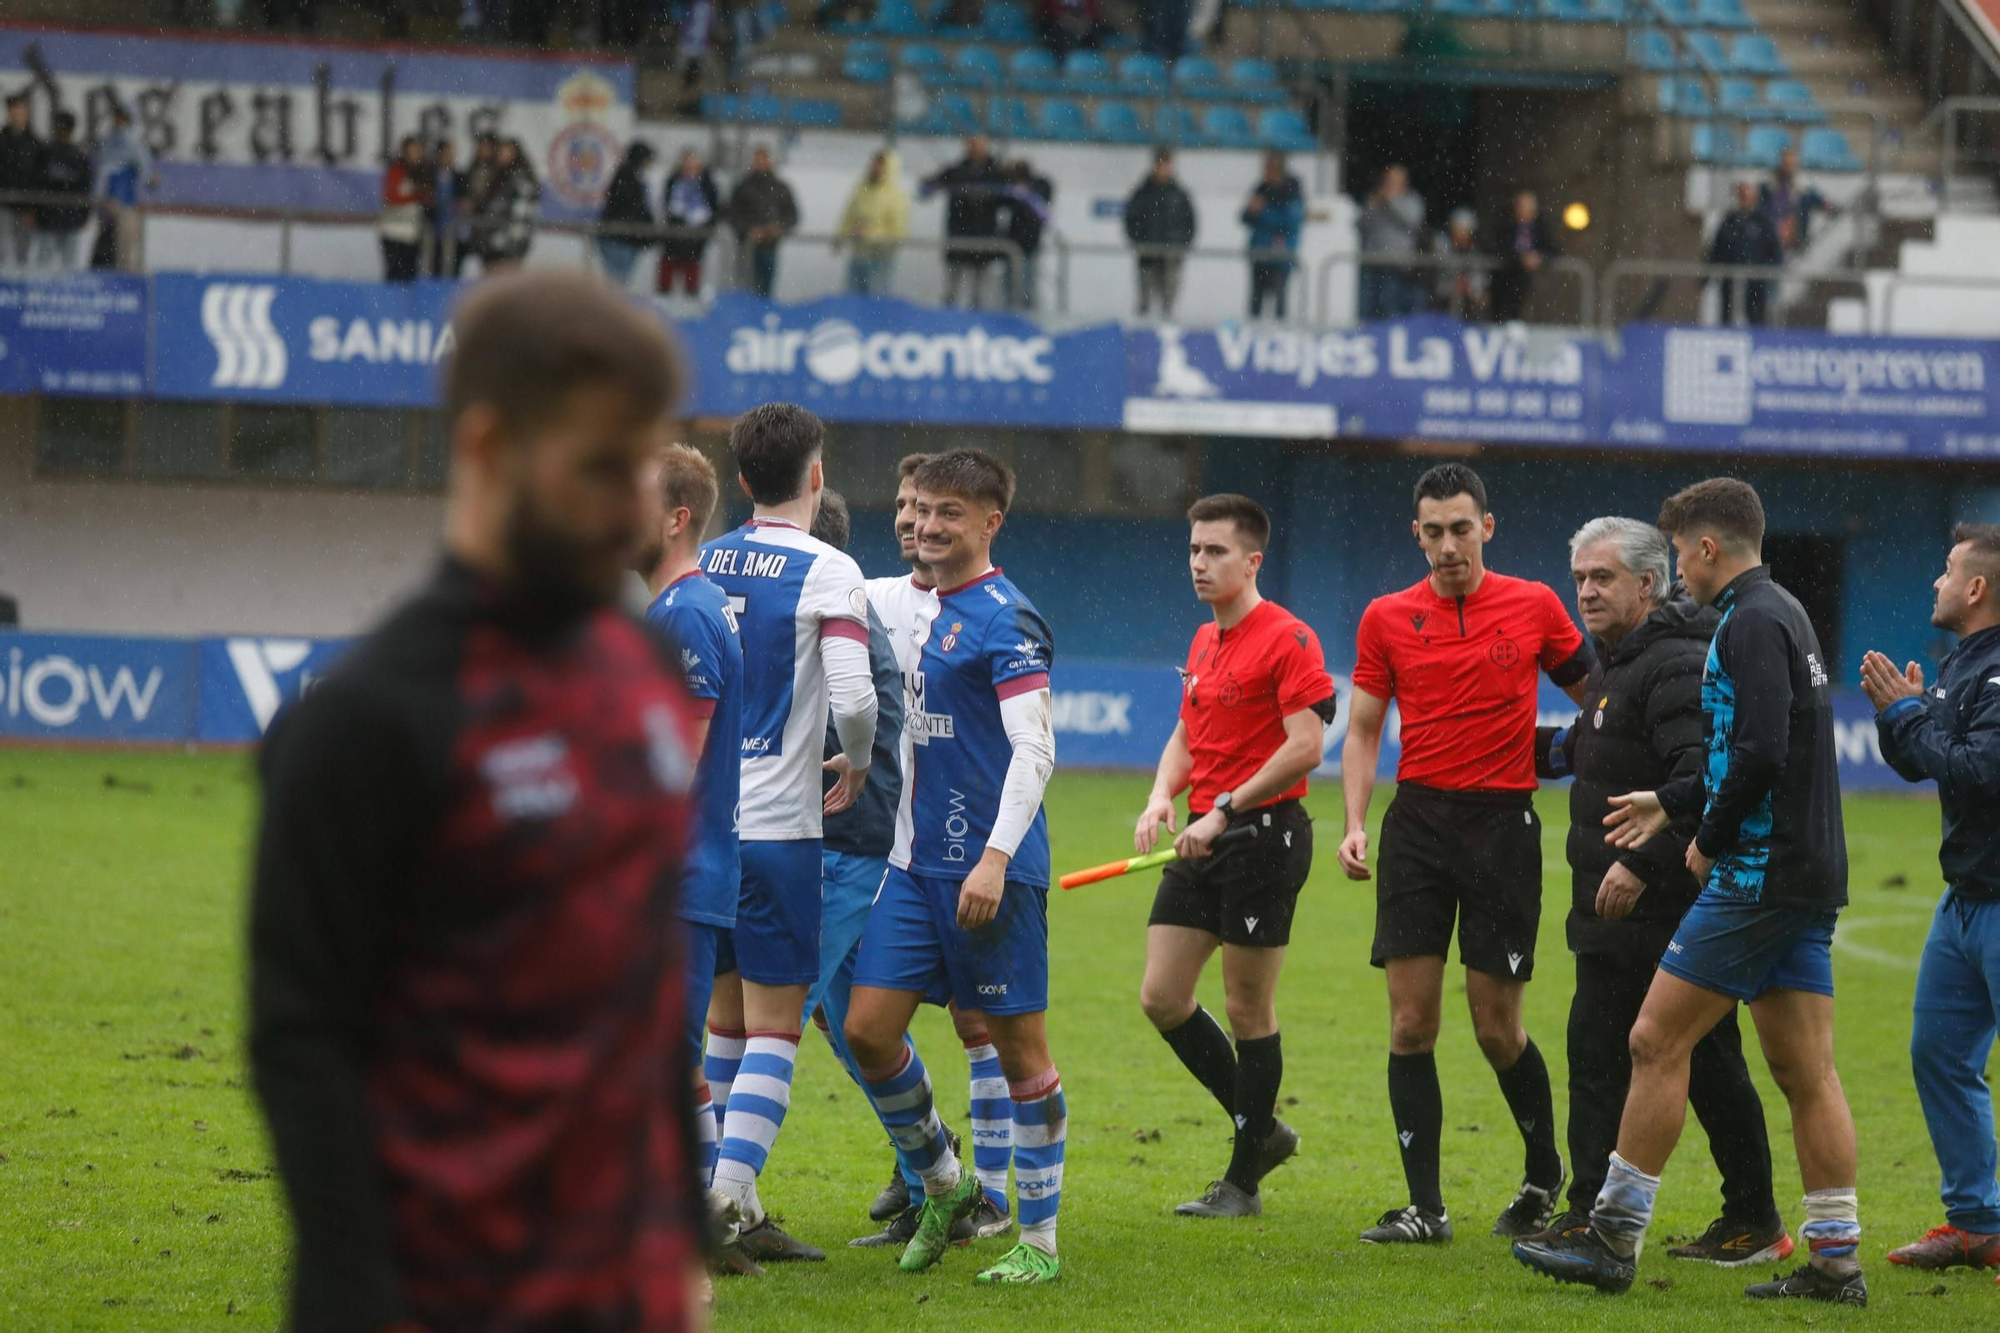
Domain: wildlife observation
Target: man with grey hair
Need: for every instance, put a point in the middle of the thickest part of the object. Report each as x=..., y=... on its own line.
x=1642, y=726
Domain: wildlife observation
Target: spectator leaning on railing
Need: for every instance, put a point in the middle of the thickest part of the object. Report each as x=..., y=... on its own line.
x=1790, y=205
x=1160, y=214
x=507, y=223
x=690, y=205
x=762, y=211
x=124, y=167
x=874, y=223
x=1274, y=214
x=65, y=170
x=972, y=187
x=1460, y=291
x=1747, y=238
x=479, y=183
x=1523, y=245
x=20, y=173
x=405, y=204
x=1392, y=224
x=1028, y=197
x=626, y=213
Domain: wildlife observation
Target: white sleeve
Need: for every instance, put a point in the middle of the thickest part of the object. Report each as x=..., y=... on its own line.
x=851, y=687
x=1030, y=722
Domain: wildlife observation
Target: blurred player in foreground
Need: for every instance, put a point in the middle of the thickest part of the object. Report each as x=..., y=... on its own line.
x=1254, y=696
x=464, y=970
x=965, y=912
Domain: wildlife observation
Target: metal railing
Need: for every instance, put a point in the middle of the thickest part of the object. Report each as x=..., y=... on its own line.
x=1660, y=273
x=1575, y=269
x=1895, y=285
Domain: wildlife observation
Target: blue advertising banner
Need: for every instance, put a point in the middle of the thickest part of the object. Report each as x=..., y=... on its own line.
x=300, y=340
x=856, y=359
x=1784, y=391
x=82, y=687
x=1428, y=376
x=237, y=122
x=82, y=334
x=244, y=681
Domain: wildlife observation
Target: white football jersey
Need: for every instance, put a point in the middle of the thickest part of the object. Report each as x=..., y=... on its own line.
x=906, y=609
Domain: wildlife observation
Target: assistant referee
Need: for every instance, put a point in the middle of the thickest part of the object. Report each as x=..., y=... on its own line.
x=1254, y=698
x=1459, y=653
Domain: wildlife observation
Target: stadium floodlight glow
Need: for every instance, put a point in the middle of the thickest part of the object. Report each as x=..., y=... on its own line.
x=1577, y=216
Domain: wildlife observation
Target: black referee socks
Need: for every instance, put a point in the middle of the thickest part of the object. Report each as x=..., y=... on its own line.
x=1525, y=1084
x=1204, y=1048
x=1260, y=1067
x=1417, y=1105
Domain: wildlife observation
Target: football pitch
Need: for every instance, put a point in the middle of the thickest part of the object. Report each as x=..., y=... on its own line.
x=136, y=1191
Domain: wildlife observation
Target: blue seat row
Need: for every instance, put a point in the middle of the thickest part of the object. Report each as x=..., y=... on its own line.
x=1060, y=119
x=768, y=109
x=999, y=21
x=1726, y=14
x=1750, y=53
x=1034, y=70
x=1820, y=148
x=1740, y=99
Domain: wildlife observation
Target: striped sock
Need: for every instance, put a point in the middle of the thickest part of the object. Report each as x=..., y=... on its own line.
x=992, y=1121
x=757, y=1105
x=1041, y=1126
x=719, y=1064
x=705, y=1131
x=902, y=1097
x=1625, y=1207
x=1833, y=1230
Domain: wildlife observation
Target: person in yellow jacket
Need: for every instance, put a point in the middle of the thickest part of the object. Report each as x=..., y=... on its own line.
x=875, y=223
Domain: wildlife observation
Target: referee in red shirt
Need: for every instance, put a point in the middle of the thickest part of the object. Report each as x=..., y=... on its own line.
x=1459, y=652
x=1254, y=699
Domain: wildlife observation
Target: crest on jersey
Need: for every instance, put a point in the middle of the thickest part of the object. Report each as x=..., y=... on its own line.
x=950, y=639
x=1417, y=621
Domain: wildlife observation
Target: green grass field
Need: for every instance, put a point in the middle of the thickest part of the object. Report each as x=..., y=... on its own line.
x=135, y=1184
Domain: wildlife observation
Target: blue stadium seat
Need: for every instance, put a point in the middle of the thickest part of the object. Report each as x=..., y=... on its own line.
x=762, y=108
x=1744, y=99
x=1723, y=14
x=1142, y=75
x=859, y=66
x=813, y=113
x=1285, y=129
x=1031, y=69
x=1174, y=124
x=1791, y=100
x=1685, y=97
x=1253, y=80
x=1754, y=53
x=1088, y=72
x=897, y=18
x=719, y=106
x=950, y=114
x=1007, y=22
x=973, y=67
x=1764, y=144
x=1008, y=118
x=861, y=46
x=1653, y=50
x=921, y=60
x=1709, y=52
x=1678, y=11
x=1198, y=76
x=1714, y=145
x=1227, y=127
x=1117, y=122
x=1608, y=11
x=1567, y=11
x=1061, y=119
x=1826, y=149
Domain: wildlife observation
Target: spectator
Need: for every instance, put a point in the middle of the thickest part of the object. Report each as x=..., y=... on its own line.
x=1392, y=223
x=1028, y=197
x=1523, y=246
x=1274, y=214
x=1164, y=25
x=441, y=217
x=626, y=214
x=691, y=203
x=762, y=211
x=1461, y=291
x=122, y=167
x=480, y=180
x=1746, y=237
x=65, y=171
x=875, y=222
x=507, y=225
x=972, y=187
x=1789, y=206
x=20, y=173
x=1160, y=222
x=405, y=205
x=1070, y=25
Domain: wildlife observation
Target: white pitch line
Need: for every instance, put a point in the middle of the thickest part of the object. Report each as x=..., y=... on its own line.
x=1843, y=938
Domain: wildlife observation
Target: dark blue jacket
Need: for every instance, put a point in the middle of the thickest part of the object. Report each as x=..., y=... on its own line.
x=1952, y=736
x=868, y=827
x=1770, y=794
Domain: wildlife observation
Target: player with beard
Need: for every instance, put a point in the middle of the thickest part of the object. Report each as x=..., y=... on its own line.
x=463, y=961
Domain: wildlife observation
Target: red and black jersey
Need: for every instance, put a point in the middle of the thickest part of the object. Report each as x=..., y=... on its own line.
x=1236, y=691
x=466, y=985
x=1462, y=670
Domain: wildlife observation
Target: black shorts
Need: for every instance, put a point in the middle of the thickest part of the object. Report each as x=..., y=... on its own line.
x=1245, y=894
x=1476, y=856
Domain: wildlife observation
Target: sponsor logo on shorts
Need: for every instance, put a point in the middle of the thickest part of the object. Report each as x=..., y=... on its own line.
x=1514, y=962
x=1250, y=923
x=999, y=988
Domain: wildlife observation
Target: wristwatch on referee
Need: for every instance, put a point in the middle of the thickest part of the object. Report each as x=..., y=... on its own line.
x=1222, y=803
